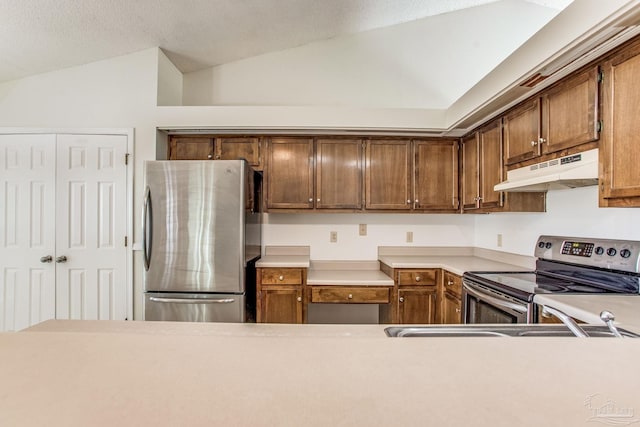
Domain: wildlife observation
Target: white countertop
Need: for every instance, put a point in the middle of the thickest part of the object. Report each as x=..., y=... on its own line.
x=455, y=264
x=626, y=308
x=149, y=373
x=283, y=261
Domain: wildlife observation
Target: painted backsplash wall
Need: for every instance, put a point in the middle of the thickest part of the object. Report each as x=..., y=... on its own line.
x=382, y=230
x=572, y=212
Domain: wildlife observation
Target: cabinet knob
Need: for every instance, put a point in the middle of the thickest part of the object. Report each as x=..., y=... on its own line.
x=46, y=259
x=218, y=157
x=61, y=259
x=418, y=278
x=449, y=283
x=458, y=310
x=281, y=277
x=299, y=299
x=317, y=200
x=408, y=201
x=310, y=199
x=210, y=156
x=541, y=140
x=350, y=296
x=401, y=299
x=534, y=143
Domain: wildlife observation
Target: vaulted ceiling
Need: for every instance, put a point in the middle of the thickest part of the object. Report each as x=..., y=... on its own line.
x=37, y=36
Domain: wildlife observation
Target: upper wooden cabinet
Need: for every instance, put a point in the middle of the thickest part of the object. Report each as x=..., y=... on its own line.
x=436, y=175
x=190, y=148
x=289, y=174
x=482, y=168
x=220, y=148
x=338, y=173
x=232, y=148
x=388, y=175
x=562, y=117
x=522, y=132
x=620, y=145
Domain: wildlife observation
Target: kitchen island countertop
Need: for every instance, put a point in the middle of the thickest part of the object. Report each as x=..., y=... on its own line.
x=108, y=373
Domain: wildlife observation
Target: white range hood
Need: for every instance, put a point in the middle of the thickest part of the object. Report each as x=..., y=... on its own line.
x=576, y=170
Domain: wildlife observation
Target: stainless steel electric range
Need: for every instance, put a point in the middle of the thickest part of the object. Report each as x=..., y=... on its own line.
x=563, y=265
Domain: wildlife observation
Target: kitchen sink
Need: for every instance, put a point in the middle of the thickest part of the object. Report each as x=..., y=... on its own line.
x=528, y=330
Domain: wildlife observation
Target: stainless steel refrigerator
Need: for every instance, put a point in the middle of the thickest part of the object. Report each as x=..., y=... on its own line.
x=201, y=238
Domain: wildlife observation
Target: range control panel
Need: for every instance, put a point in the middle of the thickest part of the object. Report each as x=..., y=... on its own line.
x=623, y=255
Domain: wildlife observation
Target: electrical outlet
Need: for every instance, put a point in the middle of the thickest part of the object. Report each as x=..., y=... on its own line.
x=362, y=229
x=333, y=237
x=409, y=236
x=499, y=240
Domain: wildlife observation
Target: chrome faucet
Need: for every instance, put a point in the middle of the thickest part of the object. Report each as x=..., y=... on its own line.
x=568, y=321
x=608, y=318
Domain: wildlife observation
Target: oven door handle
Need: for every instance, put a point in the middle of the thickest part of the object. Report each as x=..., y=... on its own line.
x=476, y=292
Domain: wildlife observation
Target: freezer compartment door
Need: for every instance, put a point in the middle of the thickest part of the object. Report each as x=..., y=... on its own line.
x=177, y=307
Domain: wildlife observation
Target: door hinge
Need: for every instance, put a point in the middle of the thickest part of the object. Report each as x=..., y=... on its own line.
x=600, y=76
x=126, y=159
x=599, y=126
x=126, y=240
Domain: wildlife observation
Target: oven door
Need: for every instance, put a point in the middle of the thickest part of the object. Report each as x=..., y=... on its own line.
x=481, y=304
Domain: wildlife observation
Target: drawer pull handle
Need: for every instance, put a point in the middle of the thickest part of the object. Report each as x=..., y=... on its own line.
x=350, y=296
x=299, y=299
x=401, y=299
x=280, y=277
x=418, y=278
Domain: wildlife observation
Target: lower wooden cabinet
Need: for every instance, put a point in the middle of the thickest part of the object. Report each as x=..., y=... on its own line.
x=280, y=295
x=280, y=305
x=417, y=305
x=450, y=297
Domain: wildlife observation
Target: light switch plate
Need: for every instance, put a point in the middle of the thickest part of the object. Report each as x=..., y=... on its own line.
x=409, y=236
x=362, y=229
x=333, y=237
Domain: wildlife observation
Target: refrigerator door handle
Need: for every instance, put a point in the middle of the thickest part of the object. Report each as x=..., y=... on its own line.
x=147, y=228
x=193, y=300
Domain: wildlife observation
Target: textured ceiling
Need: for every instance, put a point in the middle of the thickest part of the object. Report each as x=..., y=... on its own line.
x=43, y=35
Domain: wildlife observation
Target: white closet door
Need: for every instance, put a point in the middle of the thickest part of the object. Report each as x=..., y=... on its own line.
x=27, y=230
x=91, y=227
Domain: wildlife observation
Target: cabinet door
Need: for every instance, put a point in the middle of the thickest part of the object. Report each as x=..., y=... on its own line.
x=570, y=113
x=339, y=173
x=290, y=173
x=470, y=172
x=387, y=175
x=522, y=132
x=491, y=168
x=190, y=148
x=619, y=146
x=233, y=148
x=436, y=175
x=417, y=305
x=280, y=305
x=451, y=309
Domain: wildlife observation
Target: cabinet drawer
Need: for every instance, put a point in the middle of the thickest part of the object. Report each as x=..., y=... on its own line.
x=452, y=283
x=418, y=277
x=335, y=294
x=281, y=276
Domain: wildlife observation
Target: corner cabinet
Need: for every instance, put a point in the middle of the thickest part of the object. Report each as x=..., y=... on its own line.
x=482, y=168
x=450, y=299
x=280, y=296
x=620, y=144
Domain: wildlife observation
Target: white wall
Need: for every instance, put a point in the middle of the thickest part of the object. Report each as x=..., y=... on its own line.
x=427, y=63
x=571, y=212
x=382, y=230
